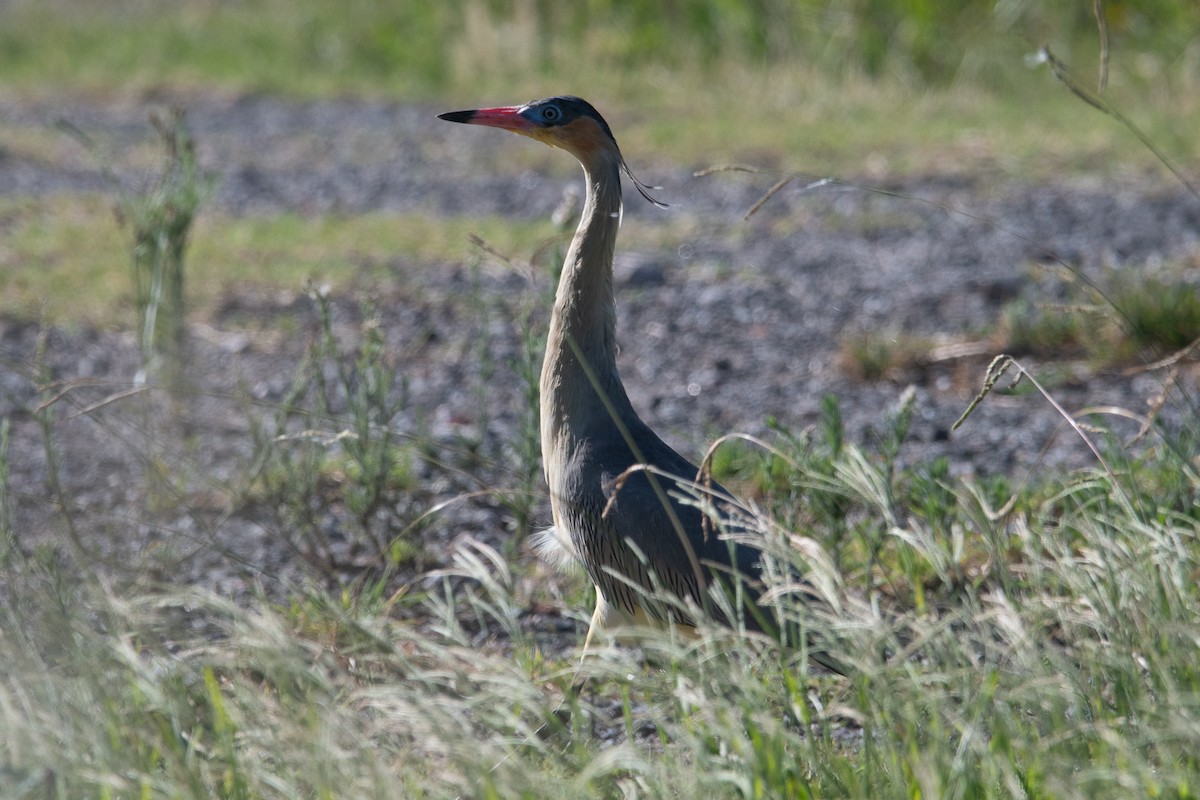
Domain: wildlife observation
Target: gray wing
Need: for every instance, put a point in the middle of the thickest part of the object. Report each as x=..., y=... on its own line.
x=611, y=525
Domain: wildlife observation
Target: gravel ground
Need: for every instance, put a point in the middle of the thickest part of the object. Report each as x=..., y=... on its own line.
x=741, y=322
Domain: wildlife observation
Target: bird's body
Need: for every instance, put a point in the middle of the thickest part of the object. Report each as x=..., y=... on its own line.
x=629, y=529
x=591, y=436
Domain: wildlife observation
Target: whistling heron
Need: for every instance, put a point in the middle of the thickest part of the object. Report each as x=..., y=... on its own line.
x=630, y=530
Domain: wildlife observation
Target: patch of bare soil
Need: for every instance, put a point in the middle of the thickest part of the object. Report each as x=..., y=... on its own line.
x=742, y=322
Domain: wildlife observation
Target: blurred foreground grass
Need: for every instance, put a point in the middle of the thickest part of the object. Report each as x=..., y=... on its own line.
x=1036, y=645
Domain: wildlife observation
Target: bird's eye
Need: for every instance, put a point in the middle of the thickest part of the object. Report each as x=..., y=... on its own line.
x=551, y=114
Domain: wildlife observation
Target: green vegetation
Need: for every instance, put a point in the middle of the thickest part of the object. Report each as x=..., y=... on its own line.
x=1118, y=319
x=1036, y=645
x=160, y=220
x=1160, y=315
x=58, y=243
x=873, y=355
x=1121, y=318
x=331, y=441
x=423, y=48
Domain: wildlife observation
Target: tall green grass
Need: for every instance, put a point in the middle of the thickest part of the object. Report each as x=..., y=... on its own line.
x=1038, y=646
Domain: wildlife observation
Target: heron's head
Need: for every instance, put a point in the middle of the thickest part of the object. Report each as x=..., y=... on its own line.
x=570, y=123
x=567, y=122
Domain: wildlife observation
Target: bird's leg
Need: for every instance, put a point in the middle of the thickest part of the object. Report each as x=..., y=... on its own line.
x=580, y=681
x=598, y=618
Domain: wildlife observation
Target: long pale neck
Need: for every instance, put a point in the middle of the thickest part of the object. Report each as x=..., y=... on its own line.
x=579, y=384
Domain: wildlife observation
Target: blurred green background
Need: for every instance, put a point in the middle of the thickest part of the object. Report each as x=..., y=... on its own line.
x=422, y=49
x=765, y=76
